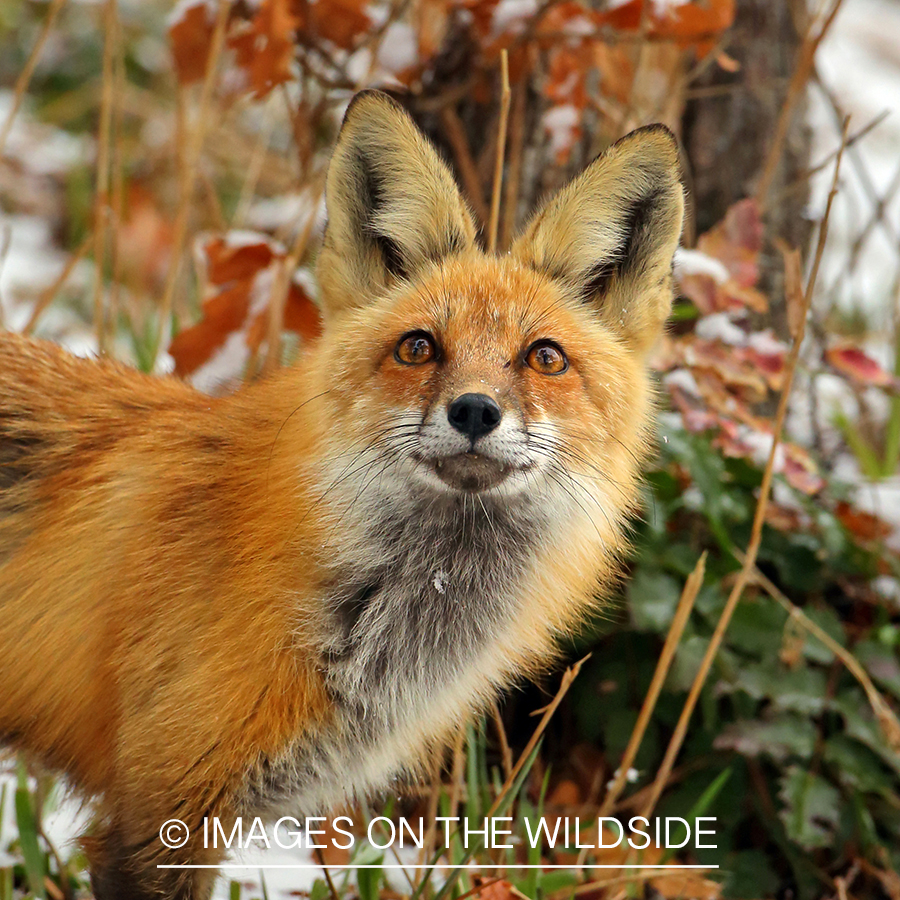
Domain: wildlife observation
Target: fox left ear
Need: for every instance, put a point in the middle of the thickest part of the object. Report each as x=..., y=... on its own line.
x=393, y=206
x=609, y=236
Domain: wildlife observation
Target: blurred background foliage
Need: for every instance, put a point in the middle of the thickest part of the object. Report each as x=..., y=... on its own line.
x=161, y=176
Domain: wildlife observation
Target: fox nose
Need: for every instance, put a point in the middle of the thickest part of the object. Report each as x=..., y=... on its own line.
x=474, y=415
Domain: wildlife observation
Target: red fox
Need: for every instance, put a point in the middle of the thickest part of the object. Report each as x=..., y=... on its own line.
x=286, y=598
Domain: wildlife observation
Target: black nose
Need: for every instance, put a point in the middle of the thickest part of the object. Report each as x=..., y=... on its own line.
x=474, y=415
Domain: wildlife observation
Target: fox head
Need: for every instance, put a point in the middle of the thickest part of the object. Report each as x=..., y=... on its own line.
x=464, y=373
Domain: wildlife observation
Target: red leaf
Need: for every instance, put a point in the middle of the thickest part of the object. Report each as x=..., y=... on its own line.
x=301, y=314
x=735, y=242
x=849, y=360
x=800, y=470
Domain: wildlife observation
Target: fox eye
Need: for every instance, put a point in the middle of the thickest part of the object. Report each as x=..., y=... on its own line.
x=547, y=358
x=415, y=348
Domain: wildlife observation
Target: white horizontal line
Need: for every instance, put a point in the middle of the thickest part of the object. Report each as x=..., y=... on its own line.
x=432, y=866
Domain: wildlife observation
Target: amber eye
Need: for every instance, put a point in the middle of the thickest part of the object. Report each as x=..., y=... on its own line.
x=547, y=358
x=415, y=348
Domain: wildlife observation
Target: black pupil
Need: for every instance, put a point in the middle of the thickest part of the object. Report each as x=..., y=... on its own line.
x=418, y=347
x=547, y=356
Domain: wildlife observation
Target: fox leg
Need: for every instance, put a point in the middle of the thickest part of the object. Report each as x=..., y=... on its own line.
x=122, y=871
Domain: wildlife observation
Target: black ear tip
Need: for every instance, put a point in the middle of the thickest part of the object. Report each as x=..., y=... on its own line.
x=372, y=97
x=658, y=128
x=656, y=132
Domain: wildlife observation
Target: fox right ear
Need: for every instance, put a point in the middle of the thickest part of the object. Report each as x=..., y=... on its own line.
x=609, y=236
x=393, y=205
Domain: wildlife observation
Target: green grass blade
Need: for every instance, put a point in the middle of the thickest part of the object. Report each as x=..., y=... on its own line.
x=26, y=822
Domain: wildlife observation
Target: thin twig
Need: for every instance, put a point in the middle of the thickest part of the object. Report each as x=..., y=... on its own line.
x=505, y=752
x=568, y=677
x=801, y=180
x=47, y=295
x=745, y=574
x=320, y=858
x=456, y=773
x=888, y=721
x=101, y=199
x=189, y=165
x=282, y=286
x=505, y=99
x=682, y=613
x=254, y=169
x=25, y=75
x=514, y=167
x=796, y=88
x=117, y=192
x=434, y=797
x=468, y=171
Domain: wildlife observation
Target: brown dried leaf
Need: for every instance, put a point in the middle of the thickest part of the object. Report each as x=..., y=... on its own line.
x=566, y=793
x=496, y=890
x=224, y=313
x=239, y=277
x=190, y=36
x=265, y=46
x=343, y=22
x=862, y=525
x=144, y=243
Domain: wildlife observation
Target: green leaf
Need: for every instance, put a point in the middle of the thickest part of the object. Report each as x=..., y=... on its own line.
x=781, y=737
x=555, y=880
x=320, y=890
x=861, y=724
x=756, y=627
x=827, y=619
x=704, y=801
x=882, y=663
x=749, y=874
x=369, y=880
x=811, y=808
x=652, y=598
x=800, y=690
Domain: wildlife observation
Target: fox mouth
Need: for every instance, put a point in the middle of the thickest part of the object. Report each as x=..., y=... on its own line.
x=470, y=472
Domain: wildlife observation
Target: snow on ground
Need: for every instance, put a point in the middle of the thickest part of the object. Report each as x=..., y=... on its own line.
x=859, y=62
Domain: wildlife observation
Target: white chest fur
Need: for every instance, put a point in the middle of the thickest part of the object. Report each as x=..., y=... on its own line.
x=416, y=625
